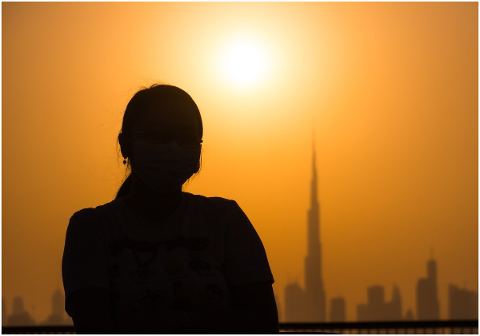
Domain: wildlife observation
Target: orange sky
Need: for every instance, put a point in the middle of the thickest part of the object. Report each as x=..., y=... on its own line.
x=391, y=90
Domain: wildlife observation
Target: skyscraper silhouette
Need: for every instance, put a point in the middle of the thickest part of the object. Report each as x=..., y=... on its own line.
x=19, y=316
x=377, y=309
x=295, y=308
x=395, y=307
x=308, y=305
x=57, y=317
x=4, y=313
x=409, y=315
x=337, y=309
x=462, y=303
x=314, y=292
x=427, y=297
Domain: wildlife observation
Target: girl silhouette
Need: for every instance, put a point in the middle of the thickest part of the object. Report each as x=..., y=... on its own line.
x=160, y=260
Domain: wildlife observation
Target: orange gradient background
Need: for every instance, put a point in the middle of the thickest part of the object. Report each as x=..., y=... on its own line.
x=389, y=89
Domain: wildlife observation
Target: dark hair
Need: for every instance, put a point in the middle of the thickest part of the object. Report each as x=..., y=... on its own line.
x=144, y=102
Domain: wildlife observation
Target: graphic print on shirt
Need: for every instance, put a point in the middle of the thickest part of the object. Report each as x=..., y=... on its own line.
x=197, y=264
x=191, y=244
x=212, y=296
x=179, y=259
x=143, y=271
x=181, y=296
x=150, y=300
x=174, y=268
x=119, y=245
x=113, y=272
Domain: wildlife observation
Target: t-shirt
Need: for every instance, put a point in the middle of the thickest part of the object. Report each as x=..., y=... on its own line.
x=188, y=261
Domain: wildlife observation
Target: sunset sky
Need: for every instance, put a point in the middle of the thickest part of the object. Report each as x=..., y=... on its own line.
x=389, y=90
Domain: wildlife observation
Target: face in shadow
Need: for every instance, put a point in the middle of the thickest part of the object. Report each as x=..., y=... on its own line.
x=164, y=145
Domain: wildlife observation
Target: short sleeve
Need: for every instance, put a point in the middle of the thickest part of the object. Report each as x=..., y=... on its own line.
x=245, y=257
x=84, y=261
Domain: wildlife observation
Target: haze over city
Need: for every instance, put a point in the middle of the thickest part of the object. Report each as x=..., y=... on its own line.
x=387, y=93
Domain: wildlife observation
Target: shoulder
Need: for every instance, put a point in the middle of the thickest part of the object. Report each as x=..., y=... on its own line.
x=217, y=206
x=91, y=218
x=87, y=213
x=221, y=209
x=211, y=202
x=97, y=211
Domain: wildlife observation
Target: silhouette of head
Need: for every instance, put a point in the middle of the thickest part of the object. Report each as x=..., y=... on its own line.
x=161, y=137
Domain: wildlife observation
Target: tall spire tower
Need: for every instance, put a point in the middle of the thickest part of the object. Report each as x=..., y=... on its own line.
x=315, y=294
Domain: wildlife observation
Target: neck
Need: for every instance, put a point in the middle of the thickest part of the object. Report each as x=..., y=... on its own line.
x=150, y=204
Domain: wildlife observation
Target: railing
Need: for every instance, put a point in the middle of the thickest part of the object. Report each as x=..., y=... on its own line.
x=393, y=327
x=396, y=327
x=39, y=330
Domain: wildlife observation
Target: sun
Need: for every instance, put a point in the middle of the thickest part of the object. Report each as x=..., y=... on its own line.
x=244, y=62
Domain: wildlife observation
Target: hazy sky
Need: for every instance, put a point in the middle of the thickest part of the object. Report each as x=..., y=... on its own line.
x=390, y=89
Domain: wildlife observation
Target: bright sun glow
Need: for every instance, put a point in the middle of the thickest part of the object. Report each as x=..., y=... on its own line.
x=245, y=62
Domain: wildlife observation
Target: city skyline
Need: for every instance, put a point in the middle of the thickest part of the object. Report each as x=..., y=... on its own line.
x=462, y=304
x=20, y=316
x=300, y=304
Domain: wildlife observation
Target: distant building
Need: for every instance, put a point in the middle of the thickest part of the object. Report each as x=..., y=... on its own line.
x=428, y=307
x=314, y=291
x=19, y=316
x=462, y=304
x=337, y=310
x=409, y=315
x=58, y=315
x=394, y=308
x=294, y=303
x=377, y=309
x=374, y=306
x=313, y=307
x=4, y=313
